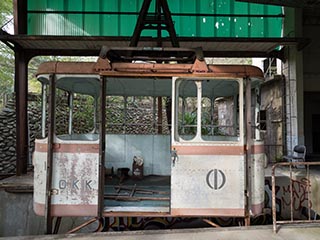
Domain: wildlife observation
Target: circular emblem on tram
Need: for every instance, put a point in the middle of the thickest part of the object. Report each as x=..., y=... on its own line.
x=216, y=179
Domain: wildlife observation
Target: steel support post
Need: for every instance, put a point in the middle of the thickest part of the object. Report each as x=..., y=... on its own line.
x=21, y=92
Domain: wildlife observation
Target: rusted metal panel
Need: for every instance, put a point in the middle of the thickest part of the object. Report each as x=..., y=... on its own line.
x=237, y=212
x=209, y=150
x=75, y=179
x=66, y=68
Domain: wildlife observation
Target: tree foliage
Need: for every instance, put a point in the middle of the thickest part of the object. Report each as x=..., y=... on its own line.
x=6, y=54
x=7, y=57
x=6, y=11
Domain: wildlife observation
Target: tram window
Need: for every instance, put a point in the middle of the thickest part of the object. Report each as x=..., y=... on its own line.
x=206, y=117
x=136, y=107
x=81, y=107
x=115, y=114
x=62, y=112
x=187, y=110
x=219, y=110
x=223, y=125
x=83, y=114
x=263, y=120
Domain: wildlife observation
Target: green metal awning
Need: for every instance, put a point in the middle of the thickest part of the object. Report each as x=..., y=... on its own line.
x=117, y=18
x=222, y=28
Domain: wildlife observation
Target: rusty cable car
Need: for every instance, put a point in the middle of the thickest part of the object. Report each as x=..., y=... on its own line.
x=212, y=166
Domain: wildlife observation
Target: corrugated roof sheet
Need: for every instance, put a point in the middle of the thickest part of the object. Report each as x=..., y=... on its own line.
x=205, y=18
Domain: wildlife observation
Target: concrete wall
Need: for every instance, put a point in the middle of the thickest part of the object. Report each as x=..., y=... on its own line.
x=293, y=72
x=17, y=217
x=272, y=103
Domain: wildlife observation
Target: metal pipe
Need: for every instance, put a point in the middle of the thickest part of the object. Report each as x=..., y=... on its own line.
x=57, y=225
x=291, y=194
x=199, y=110
x=211, y=223
x=92, y=220
x=51, y=127
x=299, y=221
x=172, y=14
x=211, y=115
x=95, y=115
x=235, y=101
x=125, y=114
x=308, y=192
x=43, y=109
x=70, y=113
x=102, y=144
x=274, y=210
x=183, y=111
x=159, y=115
x=154, y=114
x=248, y=149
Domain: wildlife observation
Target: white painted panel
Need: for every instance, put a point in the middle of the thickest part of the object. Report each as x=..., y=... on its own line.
x=193, y=182
x=162, y=155
x=115, y=150
x=154, y=149
x=75, y=176
x=257, y=183
x=39, y=188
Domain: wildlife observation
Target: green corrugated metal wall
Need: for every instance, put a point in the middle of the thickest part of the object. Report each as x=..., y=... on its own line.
x=81, y=17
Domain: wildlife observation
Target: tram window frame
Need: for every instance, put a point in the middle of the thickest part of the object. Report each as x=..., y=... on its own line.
x=199, y=136
x=262, y=118
x=76, y=133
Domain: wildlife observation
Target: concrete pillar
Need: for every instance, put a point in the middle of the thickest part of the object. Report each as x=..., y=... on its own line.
x=293, y=72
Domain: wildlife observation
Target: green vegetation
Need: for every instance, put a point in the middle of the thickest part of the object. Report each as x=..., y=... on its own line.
x=6, y=54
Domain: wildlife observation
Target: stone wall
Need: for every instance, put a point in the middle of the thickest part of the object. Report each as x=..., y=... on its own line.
x=7, y=139
x=8, y=133
x=138, y=119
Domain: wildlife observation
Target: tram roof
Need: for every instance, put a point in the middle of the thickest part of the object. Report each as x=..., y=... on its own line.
x=142, y=79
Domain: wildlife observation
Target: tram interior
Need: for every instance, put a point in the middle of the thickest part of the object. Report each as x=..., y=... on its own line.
x=151, y=140
x=138, y=129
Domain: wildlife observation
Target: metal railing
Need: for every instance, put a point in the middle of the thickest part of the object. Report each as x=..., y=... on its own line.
x=307, y=184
